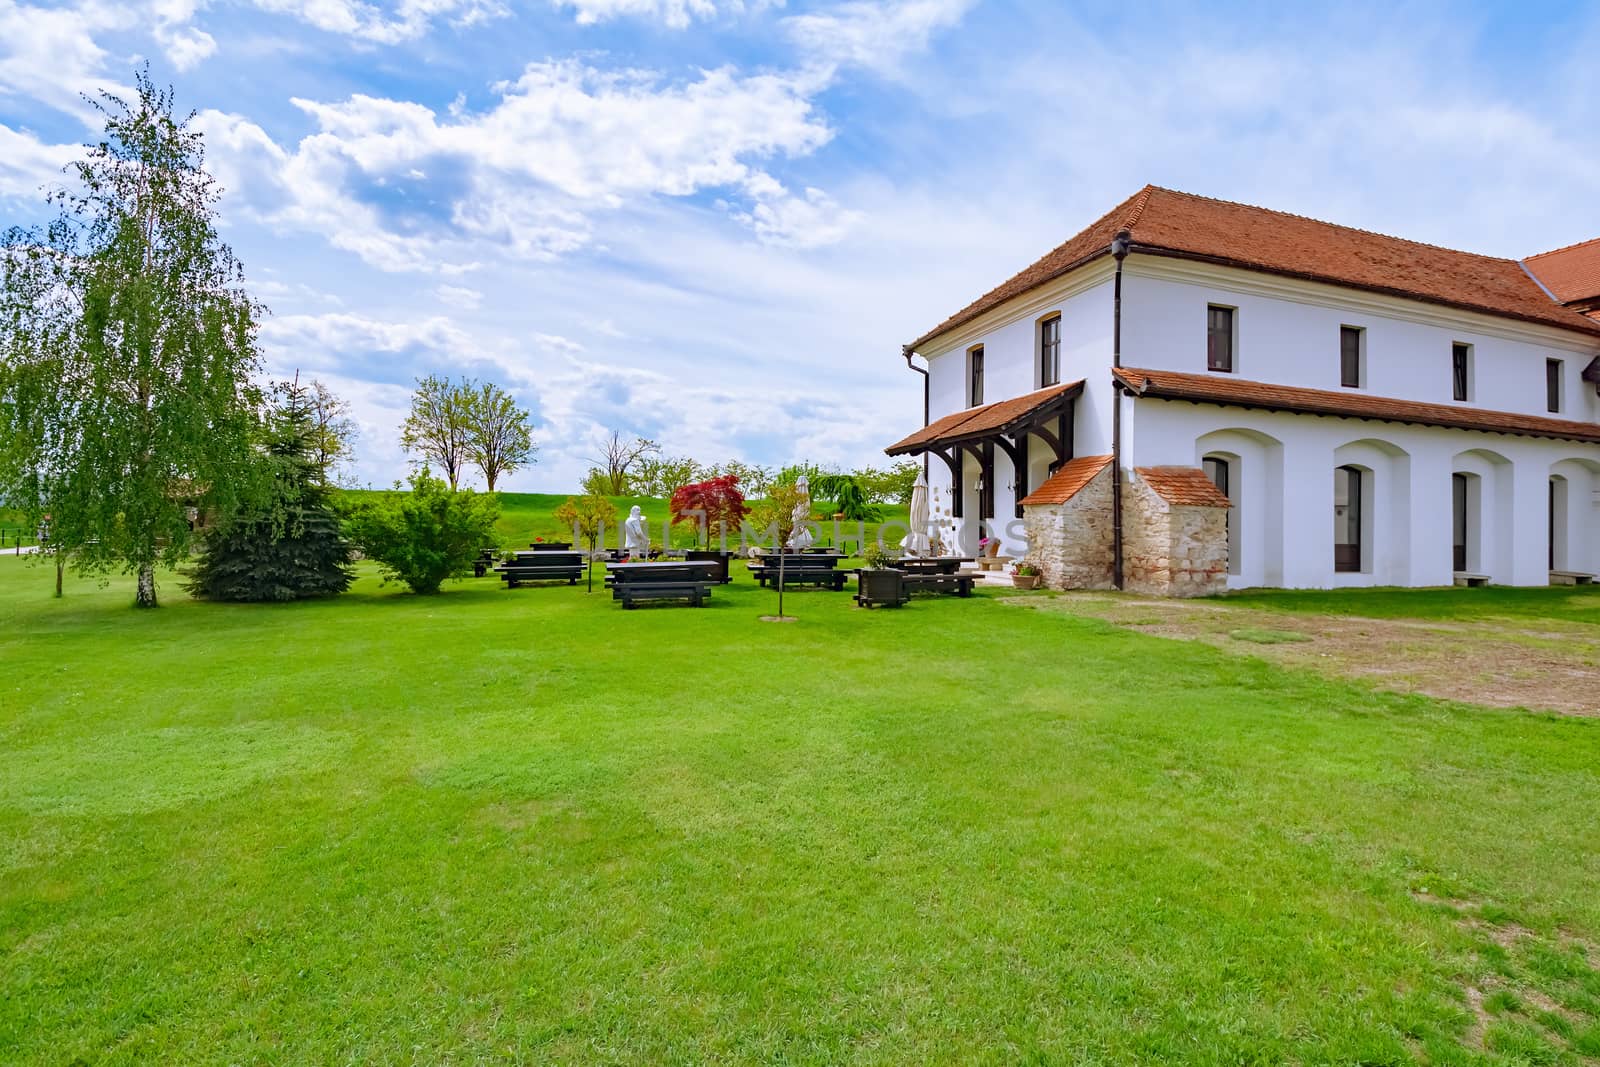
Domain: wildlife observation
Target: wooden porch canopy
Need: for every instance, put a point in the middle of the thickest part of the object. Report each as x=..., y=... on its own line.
x=1006, y=424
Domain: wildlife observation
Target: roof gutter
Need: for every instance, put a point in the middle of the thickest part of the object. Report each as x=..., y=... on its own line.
x=1119, y=251
x=908, y=351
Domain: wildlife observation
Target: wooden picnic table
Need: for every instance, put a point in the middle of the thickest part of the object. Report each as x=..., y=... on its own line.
x=801, y=568
x=662, y=580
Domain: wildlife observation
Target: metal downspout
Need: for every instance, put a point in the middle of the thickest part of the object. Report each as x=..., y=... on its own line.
x=1119, y=252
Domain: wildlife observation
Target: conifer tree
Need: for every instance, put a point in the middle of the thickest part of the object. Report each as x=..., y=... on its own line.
x=293, y=549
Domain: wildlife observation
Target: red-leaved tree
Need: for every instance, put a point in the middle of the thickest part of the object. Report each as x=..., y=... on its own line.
x=715, y=506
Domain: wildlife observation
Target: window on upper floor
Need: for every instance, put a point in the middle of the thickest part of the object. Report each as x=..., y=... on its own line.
x=1461, y=371
x=975, y=376
x=1049, y=351
x=1352, y=345
x=1219, y=338
x=1552, y=385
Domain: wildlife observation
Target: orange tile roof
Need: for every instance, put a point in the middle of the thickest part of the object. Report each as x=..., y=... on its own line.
x=985, y=420
x=1571, y=273
x=1183, y=486
x=1067, y=482
x=1222, y=389
x=1169, y=223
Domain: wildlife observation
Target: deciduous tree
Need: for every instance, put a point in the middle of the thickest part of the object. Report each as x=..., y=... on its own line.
x=617, y=457
x=715, y=506
x=438, y=427
x=499, y=437
x=333, y=432
x=127, y=348
x=588, y=515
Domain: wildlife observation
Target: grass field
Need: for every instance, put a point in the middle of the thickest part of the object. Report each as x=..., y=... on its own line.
x=528, y=826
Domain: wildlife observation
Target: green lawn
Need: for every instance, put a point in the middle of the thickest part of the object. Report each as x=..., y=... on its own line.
x=528, y=826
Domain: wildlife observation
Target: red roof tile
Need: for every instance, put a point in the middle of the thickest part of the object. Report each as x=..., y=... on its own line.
x=1168, y=223
x=1067, y=482
x=984, y=420
x=1571, y=273
x=1221, y=389
x=1183, y=486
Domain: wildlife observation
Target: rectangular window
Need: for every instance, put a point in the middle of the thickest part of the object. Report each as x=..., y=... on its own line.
x=1461, y=370
x=1219, y=338
x=975, y=377
x=1350, y=338
x=1050, y=351
x=1552, y=385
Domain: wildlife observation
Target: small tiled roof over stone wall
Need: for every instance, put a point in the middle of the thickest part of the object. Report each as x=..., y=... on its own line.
x=1065, y=483
x=1183, y=487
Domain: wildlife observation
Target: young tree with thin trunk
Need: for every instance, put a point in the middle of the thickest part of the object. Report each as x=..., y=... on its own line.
x=617, y=457
x=589, y=516
x=127, y=347
x=437, y=428
x=499, y=437
x=333, y=432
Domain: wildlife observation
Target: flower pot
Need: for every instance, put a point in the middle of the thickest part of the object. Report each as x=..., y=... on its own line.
x=880, y=586
x=1026, y=581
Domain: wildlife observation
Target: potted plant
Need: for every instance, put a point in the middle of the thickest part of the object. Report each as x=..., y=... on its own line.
x=1025, y=575
x=879, y=582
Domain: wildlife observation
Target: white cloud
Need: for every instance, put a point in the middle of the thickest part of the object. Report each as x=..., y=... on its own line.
x=676, y=14
x=27, y=164
x=458, y=296
x=563, y=142
x=49, y=54
x=878, y=36
x=405, y=21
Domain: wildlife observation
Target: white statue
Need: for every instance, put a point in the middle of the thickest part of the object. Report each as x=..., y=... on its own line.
x=636, y=534
x=800, y=538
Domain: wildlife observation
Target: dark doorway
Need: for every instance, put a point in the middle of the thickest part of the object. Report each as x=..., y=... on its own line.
x=1347, y=519
x=1458, y=511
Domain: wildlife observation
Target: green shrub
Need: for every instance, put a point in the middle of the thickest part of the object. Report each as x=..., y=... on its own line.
x=427, y=535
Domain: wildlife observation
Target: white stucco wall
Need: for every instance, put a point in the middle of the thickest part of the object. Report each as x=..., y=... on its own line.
x=1283, y=493
x=1288, y=333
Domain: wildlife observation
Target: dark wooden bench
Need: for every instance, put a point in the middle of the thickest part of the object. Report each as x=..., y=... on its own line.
x=542, y=566
x=635, y=582
x=959, y=584
x=719, y=560
x=801, y=568
x=551, y=546
x=485, y=560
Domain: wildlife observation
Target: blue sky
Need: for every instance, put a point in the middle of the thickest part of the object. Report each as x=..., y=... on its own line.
x=714, y=222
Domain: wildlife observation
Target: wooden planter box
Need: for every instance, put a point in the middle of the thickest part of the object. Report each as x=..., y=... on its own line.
x=881, y=587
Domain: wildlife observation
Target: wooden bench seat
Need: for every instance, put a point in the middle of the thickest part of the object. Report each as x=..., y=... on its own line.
x=631, y=593
x=542, y=566
x=800, y=568
x=959, y=584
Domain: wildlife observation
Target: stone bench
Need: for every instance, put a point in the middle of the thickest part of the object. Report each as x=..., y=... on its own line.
x=1571, y=578
x=1463, y=578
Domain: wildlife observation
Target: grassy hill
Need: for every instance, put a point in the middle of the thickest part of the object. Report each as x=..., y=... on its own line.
x=525, y=516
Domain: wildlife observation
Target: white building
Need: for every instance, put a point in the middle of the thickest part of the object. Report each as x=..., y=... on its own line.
x=1377, y=411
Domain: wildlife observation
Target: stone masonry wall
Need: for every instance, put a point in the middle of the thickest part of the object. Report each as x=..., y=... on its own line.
x=1071, y=542
x=1171, y=550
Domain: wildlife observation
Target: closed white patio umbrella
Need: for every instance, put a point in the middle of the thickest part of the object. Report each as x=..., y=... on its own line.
x=916, y=542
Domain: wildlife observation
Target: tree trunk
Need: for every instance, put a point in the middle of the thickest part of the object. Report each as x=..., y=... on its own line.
x=60, y=563
x=146, y=596
x=489, y=474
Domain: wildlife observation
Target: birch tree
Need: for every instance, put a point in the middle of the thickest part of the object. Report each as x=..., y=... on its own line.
x=127, y=348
